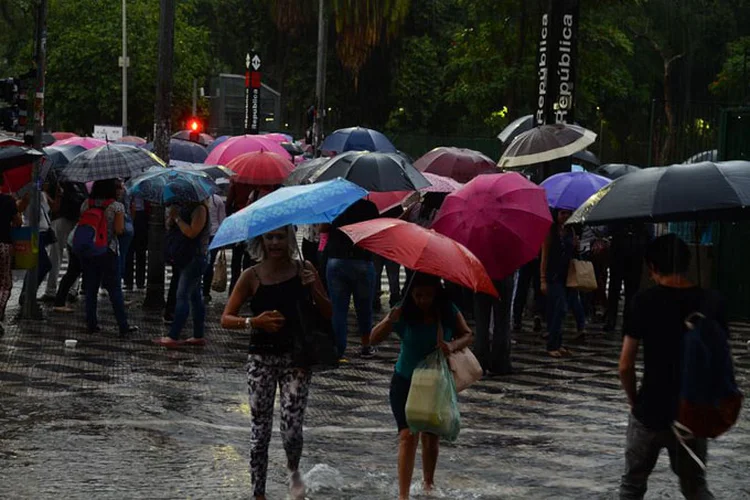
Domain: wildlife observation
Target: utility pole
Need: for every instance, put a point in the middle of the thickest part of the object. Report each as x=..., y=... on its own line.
x=320, y=80
x=162, y=131
x=30, y=309
x=124, y=63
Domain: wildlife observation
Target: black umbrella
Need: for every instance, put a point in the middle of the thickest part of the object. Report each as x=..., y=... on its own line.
x=182, y=150
x=48, y=139
x=586, y=157
x=292, y=148
x=616, y=170
x=515, y=128
x=304, y=171
x=17, y=156
x=381, y=172
x=696, y=192
x=546, y=143
x=60, y=156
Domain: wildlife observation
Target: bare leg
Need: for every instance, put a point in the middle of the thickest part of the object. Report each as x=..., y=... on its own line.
x=430, y=450
x=407, y=452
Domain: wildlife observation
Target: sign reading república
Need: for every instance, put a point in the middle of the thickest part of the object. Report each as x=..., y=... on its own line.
x=557, y=61
x=252, y=93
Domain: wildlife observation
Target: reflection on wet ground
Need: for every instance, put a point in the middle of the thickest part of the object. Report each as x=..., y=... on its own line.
x=125, y=419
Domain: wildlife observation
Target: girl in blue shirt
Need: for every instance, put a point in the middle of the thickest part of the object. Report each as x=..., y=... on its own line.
x=416, y=324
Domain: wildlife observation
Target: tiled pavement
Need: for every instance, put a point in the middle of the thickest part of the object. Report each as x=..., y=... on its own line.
x=125, y=419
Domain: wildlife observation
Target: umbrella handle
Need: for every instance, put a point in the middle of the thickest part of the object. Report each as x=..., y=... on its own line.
x=407, y=290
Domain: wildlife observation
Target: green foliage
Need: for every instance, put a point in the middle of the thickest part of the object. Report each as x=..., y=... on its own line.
x=732, y=83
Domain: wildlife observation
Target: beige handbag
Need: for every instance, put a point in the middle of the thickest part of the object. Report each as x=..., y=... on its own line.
x=581, y=276
x=219, y=282
x=464, y=365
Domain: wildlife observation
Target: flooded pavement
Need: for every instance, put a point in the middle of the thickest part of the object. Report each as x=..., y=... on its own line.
x=115, y=419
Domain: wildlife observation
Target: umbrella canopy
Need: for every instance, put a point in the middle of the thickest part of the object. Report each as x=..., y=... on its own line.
x=216, y=172
x=278, y=137
x=569, y=190
x=374, y=171
x=515, y=128
x=17, y=156
x=310, y=204
x=86, y=142
x=180, y=150
x=203, y=139
x=6, y=141
x=48, y=139
x=546, y=143
x=261, y=168
x=304, y=171
x=60, y=156
x=133, y=140
x=422, y=250
x=440, y=184
x=695, y=192
x=712, y=155
x=236, y=146
x=172, y=185
x=616, y=170
x=59, y=136
x=502, y=218
x=389, y=200
x=586, y=157
x=216, y=142
x=459, y=164
x=292, y=148
x=113, y=161
x=357, y=139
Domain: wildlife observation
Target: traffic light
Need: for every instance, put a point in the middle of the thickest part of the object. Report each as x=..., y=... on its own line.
x=195, y=126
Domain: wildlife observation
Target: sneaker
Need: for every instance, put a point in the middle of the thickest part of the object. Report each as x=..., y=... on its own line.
x=296, y=486
x=367, y=351
x=63, y=309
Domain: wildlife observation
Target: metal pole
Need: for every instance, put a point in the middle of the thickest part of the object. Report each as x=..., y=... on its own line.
x=651, y=132
x=125, y=64
x=320, y=78
x=195, y=97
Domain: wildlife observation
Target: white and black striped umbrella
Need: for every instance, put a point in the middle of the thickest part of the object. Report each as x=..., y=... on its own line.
x=111, y=161
x=546, y=143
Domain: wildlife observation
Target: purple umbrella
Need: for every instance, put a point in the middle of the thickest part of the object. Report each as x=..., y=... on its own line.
x=440, y=184
x=570, y=190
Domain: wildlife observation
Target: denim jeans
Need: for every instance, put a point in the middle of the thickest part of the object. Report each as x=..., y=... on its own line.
x=347, y=277
x=125, y=240
x=642, y=449
x=559, y=299
x=208, y=274
x=104, y=271
x=190, y=298
x=492, y=347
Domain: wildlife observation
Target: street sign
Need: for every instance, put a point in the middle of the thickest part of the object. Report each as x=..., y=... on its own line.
x=252, y=93
x=107, y=132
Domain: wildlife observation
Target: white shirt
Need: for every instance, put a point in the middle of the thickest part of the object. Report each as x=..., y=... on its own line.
x=216, y=212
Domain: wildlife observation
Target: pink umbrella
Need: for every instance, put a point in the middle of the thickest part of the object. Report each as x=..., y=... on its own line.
x=276, y=137
x=389, y=200
x=85, y=142
x=61, y=136
x=133, y=139
x=502, y=218
x=459, y=164
x=440, y=184
x=236, y=146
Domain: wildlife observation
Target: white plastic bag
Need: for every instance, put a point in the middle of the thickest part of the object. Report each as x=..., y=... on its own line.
x=432, y=404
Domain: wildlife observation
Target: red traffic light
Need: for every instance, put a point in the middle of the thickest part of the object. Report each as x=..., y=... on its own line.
x=195, y=125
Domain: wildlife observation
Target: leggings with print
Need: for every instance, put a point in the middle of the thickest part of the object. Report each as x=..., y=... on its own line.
x=6, y=278
x=264, y=374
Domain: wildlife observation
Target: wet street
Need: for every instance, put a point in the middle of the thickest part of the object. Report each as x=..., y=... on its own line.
x=118, y=418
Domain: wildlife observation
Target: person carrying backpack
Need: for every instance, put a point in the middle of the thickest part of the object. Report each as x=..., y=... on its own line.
x=96, y=244
x=657, y=319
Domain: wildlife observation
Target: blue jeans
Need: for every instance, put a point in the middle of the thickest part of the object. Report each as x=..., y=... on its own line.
x=347, y=277
x=104, y=271
x=559, y=299
x=190, y=297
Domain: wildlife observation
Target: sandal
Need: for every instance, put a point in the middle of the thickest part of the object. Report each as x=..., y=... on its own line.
x=555, y=354
x=167, y=342
x=565, y=352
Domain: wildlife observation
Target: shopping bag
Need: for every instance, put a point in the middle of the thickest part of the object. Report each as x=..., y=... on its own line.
x=432, y=403
x=581, y=276
x=219, y=282
x=465, y=367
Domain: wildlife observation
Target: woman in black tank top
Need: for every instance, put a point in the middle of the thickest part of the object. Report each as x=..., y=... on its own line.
x=274, y=289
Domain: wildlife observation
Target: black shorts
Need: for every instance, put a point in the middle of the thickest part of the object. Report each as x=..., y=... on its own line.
x=397, y=395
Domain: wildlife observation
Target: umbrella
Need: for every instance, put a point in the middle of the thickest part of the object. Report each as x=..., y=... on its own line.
x=616, y=170
x=389, y=200
x=695, y=192
x=357, y=139
x=60, y=156
x=188, y=151
x=712, y=155
x=311, y=204
x=586, y=157
x=17, y=156
x=276, y=136
x=304, y=171
x=6, y=141
x=422, y=250
x=217, y=141
x=59, y=136
x=216, y=172
x=459, y=164
x=569, y=190
x=165, y=186
x=502, y=218
x=235, y=146
x=516, y=127
x=48, y=139
x=86, y=142
x=261, y=168
x=113, y=161
x=132, y=139
x=440, y=184
x=546, y=143
x=374, y=171
x=292, y=148
x=203, y=139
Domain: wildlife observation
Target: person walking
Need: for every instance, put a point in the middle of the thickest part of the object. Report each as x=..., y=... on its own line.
x=239, y=196
x=528, y=278
x=626, y=264
x=63, y=221
x=350, y=272
x=657, y=320
x=189, y=226
x=135, y=264
x=274, y=289
x=69, y=278
x=492, y=317
x=392, y=271
x=216, y=215
x=9, y=217
x=46, y=237
x=104, y=270
x=416, y=323
x=557, y=252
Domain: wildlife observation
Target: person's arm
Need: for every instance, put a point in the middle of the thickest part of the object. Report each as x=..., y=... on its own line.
x=269, y=321
x=197, y=222
x=464, y=337
x=320, y=297
x=23, y=203
x=543, y=265
x=627, y=367
x=383, y=329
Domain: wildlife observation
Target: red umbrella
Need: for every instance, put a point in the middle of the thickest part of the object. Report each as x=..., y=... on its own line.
x=389, y=200
x=260, y=168
x=61, y=136
x=502, y=218
x=235, y=146
x=6, y=141
x=459, y=164
x=422, y=250
x=440, y=184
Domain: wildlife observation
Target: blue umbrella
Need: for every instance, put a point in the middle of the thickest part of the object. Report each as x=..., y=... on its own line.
x=218, y=141
x=183, y=151
x=357, y=139
x=570, y=190
x=309, y=204
x=165, y=186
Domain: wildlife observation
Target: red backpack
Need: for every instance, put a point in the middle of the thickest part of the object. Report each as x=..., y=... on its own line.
x=91, y=235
